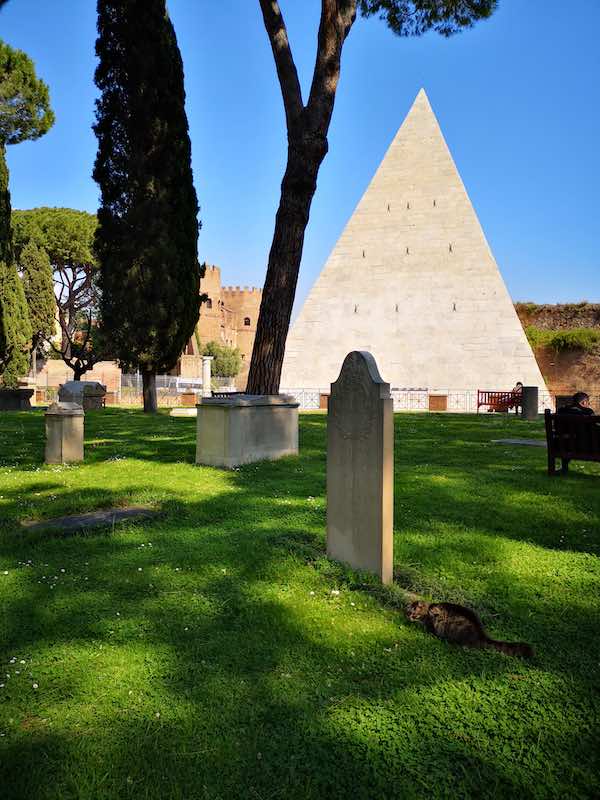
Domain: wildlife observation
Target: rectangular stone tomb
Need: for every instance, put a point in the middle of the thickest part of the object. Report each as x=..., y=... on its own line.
x=64, y=433
x=244, y=428
x=360, y=468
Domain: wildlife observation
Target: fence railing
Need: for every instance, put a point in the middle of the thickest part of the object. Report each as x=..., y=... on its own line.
x=461, y=401
x=169, y=389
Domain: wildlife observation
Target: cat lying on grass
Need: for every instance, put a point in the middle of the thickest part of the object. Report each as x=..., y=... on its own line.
x=460, y=625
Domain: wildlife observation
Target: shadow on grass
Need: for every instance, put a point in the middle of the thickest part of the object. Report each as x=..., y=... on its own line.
x=253, y=699
x=267, y=691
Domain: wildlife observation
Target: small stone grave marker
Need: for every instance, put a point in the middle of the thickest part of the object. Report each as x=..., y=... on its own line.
x=360, y=468
x=64, y=433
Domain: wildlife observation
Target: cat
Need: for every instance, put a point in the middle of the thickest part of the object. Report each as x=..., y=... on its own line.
x=460, y=625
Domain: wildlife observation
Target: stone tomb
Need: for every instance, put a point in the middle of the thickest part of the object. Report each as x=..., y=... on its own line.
x=242, y=428
x=360, y=468
x=89, y=394
x=64, y=433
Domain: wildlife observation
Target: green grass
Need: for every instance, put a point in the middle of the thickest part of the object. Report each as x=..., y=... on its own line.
x=207, y=654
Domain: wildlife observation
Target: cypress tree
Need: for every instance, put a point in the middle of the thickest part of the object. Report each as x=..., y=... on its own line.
x=38, y=285
x=24, y=114
x=146, y=241
x=15, y=330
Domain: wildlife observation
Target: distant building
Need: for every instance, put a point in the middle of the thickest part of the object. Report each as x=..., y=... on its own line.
x=228, y=317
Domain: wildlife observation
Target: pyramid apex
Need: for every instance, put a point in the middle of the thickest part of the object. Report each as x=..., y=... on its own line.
x=422, y=98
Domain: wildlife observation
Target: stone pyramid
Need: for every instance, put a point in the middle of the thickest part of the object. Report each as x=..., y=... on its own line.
x=413, y=281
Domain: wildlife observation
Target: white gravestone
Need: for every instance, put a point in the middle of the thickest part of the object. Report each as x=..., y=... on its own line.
x=360, y=468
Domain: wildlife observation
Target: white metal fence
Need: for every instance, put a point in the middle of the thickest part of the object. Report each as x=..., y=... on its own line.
x=457, y=400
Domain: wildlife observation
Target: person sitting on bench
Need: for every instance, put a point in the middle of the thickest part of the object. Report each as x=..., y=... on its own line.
x=580, y=405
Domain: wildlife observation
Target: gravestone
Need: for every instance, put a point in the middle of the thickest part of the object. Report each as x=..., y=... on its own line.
x=360, y=468
x=64, y=433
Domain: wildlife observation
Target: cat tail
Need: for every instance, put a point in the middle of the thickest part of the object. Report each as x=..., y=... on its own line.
x=520, y=649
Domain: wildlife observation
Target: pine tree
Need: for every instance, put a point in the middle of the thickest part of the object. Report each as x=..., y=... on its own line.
x=38, y=285
x=146, y=241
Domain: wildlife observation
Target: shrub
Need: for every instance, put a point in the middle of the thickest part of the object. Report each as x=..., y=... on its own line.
x=228, y=360
x=566, y=340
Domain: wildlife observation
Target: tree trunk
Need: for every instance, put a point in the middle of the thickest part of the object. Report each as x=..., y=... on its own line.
x=297, y=191
x=307, y=127
x=78, y=372
x=149, y=390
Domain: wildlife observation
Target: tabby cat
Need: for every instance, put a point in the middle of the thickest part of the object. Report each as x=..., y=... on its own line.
x=460, y=625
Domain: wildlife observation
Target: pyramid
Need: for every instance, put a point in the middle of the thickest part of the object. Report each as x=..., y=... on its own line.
x=413, y=281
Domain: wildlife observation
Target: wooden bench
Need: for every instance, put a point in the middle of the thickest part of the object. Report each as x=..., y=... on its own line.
x=571, y=437
x=499, y=401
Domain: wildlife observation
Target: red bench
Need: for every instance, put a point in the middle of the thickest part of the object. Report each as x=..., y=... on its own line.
x=499, y=401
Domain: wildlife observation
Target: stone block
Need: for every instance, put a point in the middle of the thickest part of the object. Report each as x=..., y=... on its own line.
x=15, y=399
x=360, y=468
x=64, y=433
x=88, y=394
x=529, y=402
x=244, y=428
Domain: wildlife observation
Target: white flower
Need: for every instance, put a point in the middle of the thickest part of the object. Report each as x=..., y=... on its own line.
x=22, y=661
x=35, y=685
x=335, y=592
x=312, y=594
x=139, y=569
x=157, y=715
x=6, y=572
x=61, y=569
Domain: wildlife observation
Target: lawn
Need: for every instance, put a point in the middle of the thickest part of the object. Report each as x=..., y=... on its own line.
x=215, y=653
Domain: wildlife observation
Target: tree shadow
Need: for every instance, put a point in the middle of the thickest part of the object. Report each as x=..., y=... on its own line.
x=266, y=690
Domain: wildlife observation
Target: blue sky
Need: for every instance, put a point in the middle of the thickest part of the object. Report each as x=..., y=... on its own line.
x=517, y=99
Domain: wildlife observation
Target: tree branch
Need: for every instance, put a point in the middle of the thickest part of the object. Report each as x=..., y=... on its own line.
x=284, y=61
x=337, y=18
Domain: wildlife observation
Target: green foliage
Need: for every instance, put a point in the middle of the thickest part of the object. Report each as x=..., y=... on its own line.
x=67, y=235
x=259, y=669
x=36, y=271
x=24, y=114
x=6, y=241
x=147, y=236
x=25, y=111
x=15, y=328
x=576, y=339
x=416, y=17
x=228, y=360
x=585, y=339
